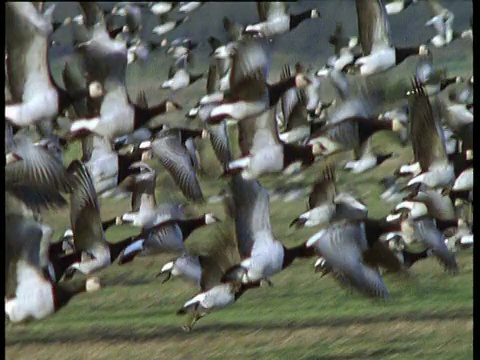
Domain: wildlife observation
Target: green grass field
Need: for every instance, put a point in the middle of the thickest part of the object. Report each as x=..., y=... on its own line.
x=303, y=316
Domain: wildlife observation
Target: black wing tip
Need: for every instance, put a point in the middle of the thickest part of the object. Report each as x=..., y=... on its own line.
x=74, y=166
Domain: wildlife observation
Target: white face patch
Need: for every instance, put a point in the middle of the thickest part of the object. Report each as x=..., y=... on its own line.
x=167, y=267
x=210, y=219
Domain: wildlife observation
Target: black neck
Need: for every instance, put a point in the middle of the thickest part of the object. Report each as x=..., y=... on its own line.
x=118, y=247
x=292, y=153
x=124, y=162
x=275, y=91
x=295, y=20
x=63, y=292
x=143, y=116
x=300, y=251
x=448, y=81
x=114, y=32
x=463, y=195
x=374, y=228
x=402, y=53
x=190, y=225
x=62, y=263
x=156, y=129
x=185, y=134
x=382, y=158
x=410, y=258
x=368, y=126
x=442, y=225
x=246, y=287
x=195, y=77
x=55, y=249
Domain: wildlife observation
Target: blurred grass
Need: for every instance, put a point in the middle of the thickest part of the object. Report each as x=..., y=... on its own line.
x=430, y=314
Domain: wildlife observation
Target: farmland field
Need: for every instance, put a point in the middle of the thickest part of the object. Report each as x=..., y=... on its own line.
x=303, y=316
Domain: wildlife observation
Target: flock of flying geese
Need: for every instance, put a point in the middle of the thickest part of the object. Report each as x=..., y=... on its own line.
x=283, y=128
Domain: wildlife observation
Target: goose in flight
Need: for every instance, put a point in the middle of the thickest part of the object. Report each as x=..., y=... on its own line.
x=442, y=22
x=353, y=251
x=379, y=53
x=167, y=236
x=88, y=233
x=264, y=152
x=275, y=19
x=325, y=204
x=31, y=292
x=35, y=95
x=34, y=178
x=217, y=289
x=172, y=154
x=249, y=94
x=262, y=254
x=428, y=141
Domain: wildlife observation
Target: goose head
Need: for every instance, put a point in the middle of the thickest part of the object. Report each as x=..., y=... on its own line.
x=469, y=154
x=68, y=244
x=93, y=284
x=142, y=170
x=234, y=274
x=414, y=208
x=95, y=90
x=423, y=50
x=302, y=81
x=210, y=218
x=166, y=272
x=315, y=14
x=224, y=52
x=318, y=149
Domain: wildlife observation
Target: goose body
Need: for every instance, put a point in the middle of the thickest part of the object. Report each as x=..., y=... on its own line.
x=379, y=53
x=275, y=19
x=161, y=7
x=166, y=237
x=380, y=59
x=428, y=145
x=342, y=246
x=366, y=162
x=88, y=233
x=186, y=266
x=396, y=6
x=250, y=96
x=442, y=21
x=167, y=26
x=425, y=230
x=263, y=150
x=263, y=255
x=464, y=182
x=189, y=6
x=173, y=155
x=36, y=97
x=36, y=295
